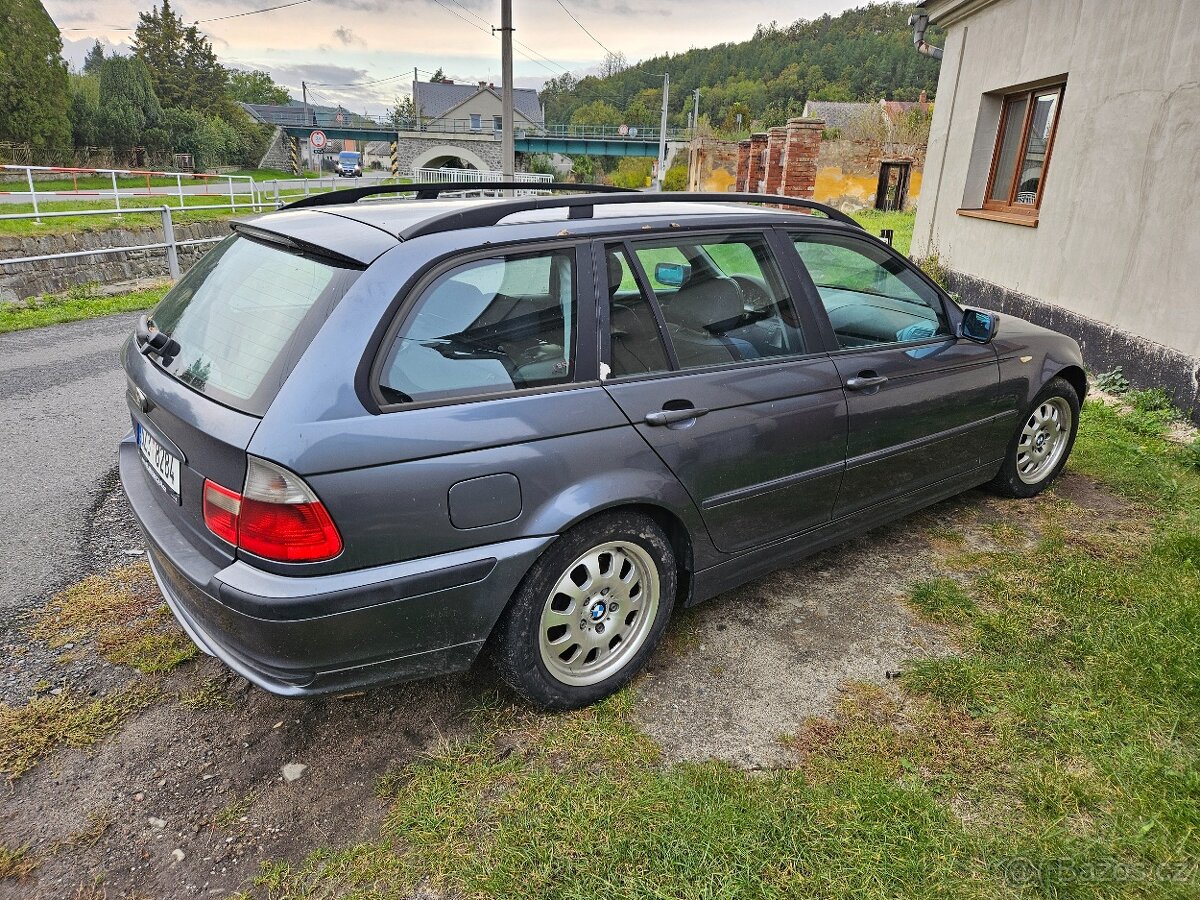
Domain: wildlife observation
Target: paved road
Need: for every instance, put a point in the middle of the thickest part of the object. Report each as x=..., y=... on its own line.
x=62, y=413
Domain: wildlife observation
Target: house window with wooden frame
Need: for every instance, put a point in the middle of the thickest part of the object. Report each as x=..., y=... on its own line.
x=1024, y=142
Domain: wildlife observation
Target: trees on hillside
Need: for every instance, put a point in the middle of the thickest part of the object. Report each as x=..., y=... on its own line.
x=33, y=77
x=863, y=54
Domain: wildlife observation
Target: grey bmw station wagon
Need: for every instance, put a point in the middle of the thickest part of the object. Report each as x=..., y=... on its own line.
x=374, y=437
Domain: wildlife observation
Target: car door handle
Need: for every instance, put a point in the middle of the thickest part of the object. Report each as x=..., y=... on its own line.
x=864, y=382
x=668, y=416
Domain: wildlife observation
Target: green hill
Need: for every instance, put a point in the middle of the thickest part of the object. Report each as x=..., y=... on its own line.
x=863, y=54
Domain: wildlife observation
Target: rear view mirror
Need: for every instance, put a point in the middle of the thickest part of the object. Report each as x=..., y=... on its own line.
x=671, y=274
x=978, y=326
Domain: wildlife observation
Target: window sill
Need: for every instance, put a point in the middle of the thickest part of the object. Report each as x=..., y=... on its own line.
x=997, y=216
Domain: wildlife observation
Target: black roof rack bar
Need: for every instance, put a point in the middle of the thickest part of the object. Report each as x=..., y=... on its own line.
x=581, y=207
x=432, y=190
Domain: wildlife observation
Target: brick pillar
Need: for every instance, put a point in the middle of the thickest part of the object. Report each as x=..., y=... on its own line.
x=773, y=176
x=799, y=163
x=758, y=150
x=742, y=180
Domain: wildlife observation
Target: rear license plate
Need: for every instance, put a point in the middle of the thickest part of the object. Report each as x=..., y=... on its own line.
x=161, y=462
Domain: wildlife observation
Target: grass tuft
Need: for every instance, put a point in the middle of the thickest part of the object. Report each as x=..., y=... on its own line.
x=17, y=863
x=123, y=613
x=29, y=732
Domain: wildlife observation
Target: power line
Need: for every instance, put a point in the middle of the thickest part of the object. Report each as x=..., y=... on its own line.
x=584, y=28
x=249, y=12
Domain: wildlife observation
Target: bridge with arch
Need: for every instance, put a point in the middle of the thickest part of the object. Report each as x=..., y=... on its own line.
x=430, y=144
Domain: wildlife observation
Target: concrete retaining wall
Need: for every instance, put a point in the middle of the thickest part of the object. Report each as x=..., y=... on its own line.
x=21, y=280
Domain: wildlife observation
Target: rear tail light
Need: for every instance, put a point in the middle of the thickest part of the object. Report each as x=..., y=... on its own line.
x=277, y=516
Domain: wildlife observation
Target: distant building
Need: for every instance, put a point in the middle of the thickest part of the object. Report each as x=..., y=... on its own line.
x=447, y=106
x=1063, y=169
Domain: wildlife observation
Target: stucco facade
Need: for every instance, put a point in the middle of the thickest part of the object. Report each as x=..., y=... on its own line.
x=1116, y=244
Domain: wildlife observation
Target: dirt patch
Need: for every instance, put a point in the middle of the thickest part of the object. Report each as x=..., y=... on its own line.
x=1089, y=495
x=191, y=800
x=753, y=665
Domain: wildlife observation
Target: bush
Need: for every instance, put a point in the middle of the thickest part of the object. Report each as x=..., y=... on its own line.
x=632, y=172
x=677, y=178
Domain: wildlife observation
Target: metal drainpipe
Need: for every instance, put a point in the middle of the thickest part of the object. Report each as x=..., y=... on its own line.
x=919, y=23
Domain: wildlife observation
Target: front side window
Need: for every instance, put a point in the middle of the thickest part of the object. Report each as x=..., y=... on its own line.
x=722, y=299
x=1022, y=153
x=492, y=325
x=871, y=296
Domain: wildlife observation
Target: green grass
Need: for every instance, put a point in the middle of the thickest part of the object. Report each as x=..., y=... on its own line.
x=875, y=220
x=1055, y=756
x=81, y=302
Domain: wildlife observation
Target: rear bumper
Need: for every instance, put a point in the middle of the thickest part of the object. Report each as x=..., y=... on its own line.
x=302, y=636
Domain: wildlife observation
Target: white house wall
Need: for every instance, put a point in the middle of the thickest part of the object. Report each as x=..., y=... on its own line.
x=1118, y=236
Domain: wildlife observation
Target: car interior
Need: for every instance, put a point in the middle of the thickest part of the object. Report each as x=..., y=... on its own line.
x=712, y=317
x=504, y=324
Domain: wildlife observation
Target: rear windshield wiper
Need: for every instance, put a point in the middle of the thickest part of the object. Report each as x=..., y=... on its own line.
x=152, y=342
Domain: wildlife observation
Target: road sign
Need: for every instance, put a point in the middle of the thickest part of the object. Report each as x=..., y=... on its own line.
x=339, y=118
x=317, y=140
x=633, y=132
x=623, y=130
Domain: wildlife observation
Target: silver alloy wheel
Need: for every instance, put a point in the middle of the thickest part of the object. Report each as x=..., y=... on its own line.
x=1043, y=440
x=599, y=613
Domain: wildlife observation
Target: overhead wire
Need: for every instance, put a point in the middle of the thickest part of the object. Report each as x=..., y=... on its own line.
x=248, y=12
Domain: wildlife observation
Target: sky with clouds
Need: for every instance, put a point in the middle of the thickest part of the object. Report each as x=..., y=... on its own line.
x=339, y=45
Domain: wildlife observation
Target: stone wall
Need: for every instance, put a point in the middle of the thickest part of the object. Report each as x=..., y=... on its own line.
x=713, y=165
x=796, y=162
x=21, y=280
x=848, y=171
x=277, y=155
x=782, y=161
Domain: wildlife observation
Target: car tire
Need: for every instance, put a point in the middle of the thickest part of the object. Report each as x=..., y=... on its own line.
x=588, y=613
x=1042, y=442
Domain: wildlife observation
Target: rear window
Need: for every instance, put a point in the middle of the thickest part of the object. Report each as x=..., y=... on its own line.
x=242, y=316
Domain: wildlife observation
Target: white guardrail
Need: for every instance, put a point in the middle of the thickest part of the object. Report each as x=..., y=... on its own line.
x=254, y=197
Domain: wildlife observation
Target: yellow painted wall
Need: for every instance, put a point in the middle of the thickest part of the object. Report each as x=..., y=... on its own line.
x=835, y=186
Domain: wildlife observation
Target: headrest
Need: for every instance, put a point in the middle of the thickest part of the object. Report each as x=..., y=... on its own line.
x=616, y=272
x=708, y=302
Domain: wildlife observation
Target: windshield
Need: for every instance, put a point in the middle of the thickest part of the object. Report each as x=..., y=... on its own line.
x=242, y=315
x=348, y=159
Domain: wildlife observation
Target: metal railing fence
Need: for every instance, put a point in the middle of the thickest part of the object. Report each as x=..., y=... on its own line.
x=258, y=198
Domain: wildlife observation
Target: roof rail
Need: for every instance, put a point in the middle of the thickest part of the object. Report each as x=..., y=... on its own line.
x=432, y=190
x=580, y=206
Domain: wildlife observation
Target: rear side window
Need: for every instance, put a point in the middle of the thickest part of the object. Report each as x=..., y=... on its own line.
x=488, y=326
x=722, y=299
x=242, y=315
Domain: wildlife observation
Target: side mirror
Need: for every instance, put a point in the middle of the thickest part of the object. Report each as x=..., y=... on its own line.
x=978, y=326
x=672, y=274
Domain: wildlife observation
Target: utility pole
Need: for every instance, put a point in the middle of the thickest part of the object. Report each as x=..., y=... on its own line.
x=507, y=153
x=304, y=89
x=662, y=135
x=695, y=110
